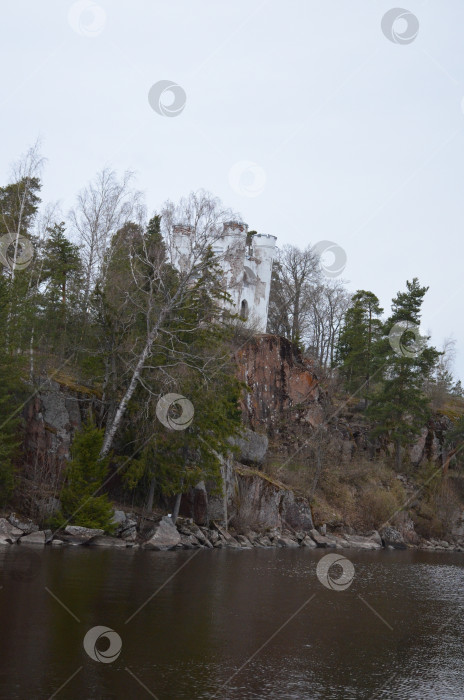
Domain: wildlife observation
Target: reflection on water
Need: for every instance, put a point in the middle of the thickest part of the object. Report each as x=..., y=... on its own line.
x=396, y=632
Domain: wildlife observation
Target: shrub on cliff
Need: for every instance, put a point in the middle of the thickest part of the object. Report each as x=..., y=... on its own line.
x=85, y=476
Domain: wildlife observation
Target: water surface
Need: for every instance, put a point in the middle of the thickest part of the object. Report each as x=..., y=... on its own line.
x=224, y=625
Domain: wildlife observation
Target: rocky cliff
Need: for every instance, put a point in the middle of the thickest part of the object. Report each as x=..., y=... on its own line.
x=279, y=380
x=250, y=500
x=284, y=404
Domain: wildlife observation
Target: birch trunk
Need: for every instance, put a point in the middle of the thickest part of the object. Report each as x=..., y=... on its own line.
x=116, y=422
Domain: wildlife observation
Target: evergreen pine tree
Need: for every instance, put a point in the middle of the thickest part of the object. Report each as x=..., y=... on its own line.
x=85, y=475
x=61, y=264
x=356, y=353
x=19, y=203
x=400, y=408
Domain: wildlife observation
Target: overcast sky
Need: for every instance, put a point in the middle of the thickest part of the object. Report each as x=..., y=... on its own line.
x=303, y=116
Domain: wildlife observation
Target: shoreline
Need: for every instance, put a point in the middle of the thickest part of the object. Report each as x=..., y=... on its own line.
x=164, y=535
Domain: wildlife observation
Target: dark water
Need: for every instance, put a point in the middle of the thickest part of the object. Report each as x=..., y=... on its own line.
x=222, y=626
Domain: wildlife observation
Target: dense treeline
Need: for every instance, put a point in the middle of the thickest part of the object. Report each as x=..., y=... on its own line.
x=389, y=390
x=385, y=363
x=388, y=363
x=101, y=304
x=93, y=297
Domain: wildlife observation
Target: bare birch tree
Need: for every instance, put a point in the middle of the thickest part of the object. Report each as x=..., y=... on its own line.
x=160, y=291
x=102, y=207
x=296, y=275
x=304, y=306
x=328, y=304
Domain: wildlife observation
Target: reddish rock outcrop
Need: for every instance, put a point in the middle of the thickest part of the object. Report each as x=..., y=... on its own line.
x=51, y=418
x=279, y=379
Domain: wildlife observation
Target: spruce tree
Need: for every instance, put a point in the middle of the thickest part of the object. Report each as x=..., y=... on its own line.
x=85, y=475
x=59, y=285
x=19, y=202
x=356, y=351
x=400, y=408
x=61, y=264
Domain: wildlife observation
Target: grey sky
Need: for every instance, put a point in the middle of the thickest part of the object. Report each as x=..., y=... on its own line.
x=360, y=140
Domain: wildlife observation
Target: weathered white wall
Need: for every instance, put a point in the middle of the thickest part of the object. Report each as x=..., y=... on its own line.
x=256, y=280
x=182, y=241
x=247, y=268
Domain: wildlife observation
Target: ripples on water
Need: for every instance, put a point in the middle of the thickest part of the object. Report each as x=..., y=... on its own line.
x=211, y=618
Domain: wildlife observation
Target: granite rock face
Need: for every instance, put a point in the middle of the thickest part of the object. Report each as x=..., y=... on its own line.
x=51, y=419
x=360, y=542
x=166, y=536
x=391, y=537
x=322, y=540
x=24, y=524
x=39, y=537
x=254, y=501
x=9, y=534
x=125, y=525
x=252, y=447
x=279, y=379
x=82, y=533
